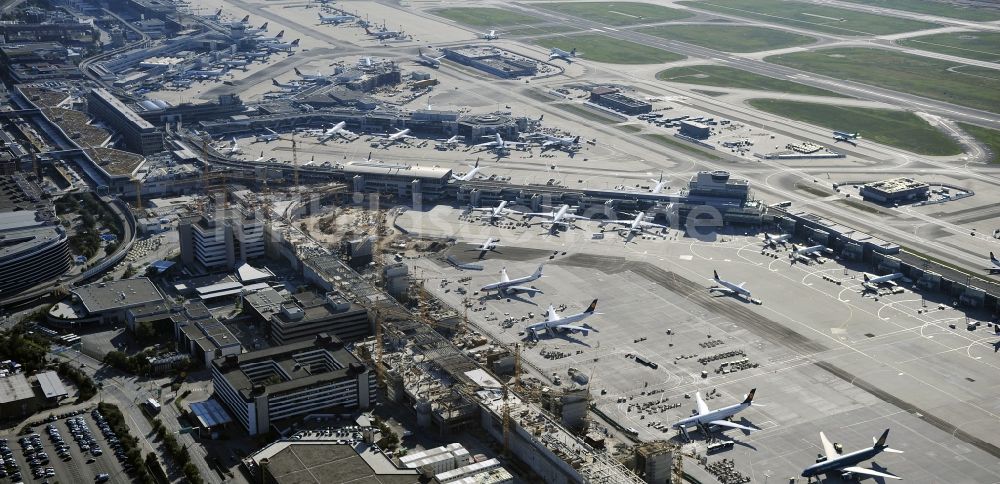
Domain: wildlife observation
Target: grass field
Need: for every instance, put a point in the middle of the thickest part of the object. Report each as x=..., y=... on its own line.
x=976, y=87
x=722, y=76
x=617, y=13
x=730, y=38
x=984, y=46
x=831, y=20
x=989, y=137
x=601, y=48
x=670, y=141
x=540, y=29
x=890, y=127
x=933, y=7
x=485, y=17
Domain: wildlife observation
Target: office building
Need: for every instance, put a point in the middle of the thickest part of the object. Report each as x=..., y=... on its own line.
x=325, y=462
x=695, y=130
x=273, y=386
x=610, y=97
x=493, y=61
x=895, y=190
x=309, y=314
x=34, y=250
x=202, y=336
x=220, y=241
x=109, y=302
x=17, y=399
x=140, y=136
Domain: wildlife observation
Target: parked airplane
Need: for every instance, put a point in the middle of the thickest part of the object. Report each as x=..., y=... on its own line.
x=774, y=240
x=204, y=73
x=806, y=250
x=497, y=212
x=400, y=135
x=234, y=148
x=845, y=139
x=872, y=284
x=499, y=144
x=469, y=175
x=846, y=135
x=704, y=417
x=241, y=23
x=272, y=40
x=554, y=323
x=634, y=226
x=256, y=31
x=337, y=130
x=557, y=142
x=490, y=35
x=995, y=262
x=660, y=184
x=215, y=16
x=236, y=63
x=260, y=158
x=285, y=87
x=487, y=246
x=557, y=217
x=508, y=286
x=383, y=34
x=317, y=77
x=283, y=46
x=268, y=137
x=729, y=287
x=558, y=53
x=427, y=60
x=448, y=143
x=335, y=19
x=846, y=464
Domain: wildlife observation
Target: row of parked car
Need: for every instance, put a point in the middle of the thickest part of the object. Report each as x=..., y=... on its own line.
x=113, y=442
x=9, y=465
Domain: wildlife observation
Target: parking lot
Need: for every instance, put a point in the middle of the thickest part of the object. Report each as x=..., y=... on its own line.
x=72, y=447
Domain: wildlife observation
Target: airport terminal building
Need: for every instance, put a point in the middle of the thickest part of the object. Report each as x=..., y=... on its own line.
x=138, y=133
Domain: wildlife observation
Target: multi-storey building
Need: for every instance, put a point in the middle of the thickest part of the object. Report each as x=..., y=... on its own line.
x=220, y=241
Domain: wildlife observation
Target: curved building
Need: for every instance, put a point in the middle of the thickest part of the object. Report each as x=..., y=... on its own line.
x=33, y=250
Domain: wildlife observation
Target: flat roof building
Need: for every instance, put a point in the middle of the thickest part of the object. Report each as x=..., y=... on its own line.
x=895, y=190
x=17, y=399
x=695, y=130
x=106, y=302
x=493, y=61
x=139, y=134
x=202, y=336
x=324, y=462
x=221, y=241
x=52, y=387
x=611, y=98
x=278, y=384
x=309, y=314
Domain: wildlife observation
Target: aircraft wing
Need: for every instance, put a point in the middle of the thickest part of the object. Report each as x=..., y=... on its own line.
x=582, y=329
x=486, y=144
x=726, y=423
x=575, y=217
x=538, y=214
x=828, y=449
x=552, y=315
x=527, y=289
x=651, y=224
x=702, y=407
x=618, y=222
x=870, y=472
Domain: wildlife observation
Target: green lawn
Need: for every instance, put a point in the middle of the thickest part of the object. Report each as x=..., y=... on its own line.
x=900, y=129
x=722, y=76
x=485, y=17
x=976, y=87
x=935, y=7
x=601, y=48
x=730, y=38
x=989, y=137
x=984, y=46
x=540, y=29
x=617, y=13
x=812, y=17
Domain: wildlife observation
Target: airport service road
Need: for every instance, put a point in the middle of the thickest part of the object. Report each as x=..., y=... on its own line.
x=827, y=358
x=854, y=89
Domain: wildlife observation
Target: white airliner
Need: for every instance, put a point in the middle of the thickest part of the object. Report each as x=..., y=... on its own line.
x=557, y=142
x=272, y=40
x=317, y=77
x=383, y=34
x=335, y=19
x=659, y=184
x=499, y=144
x=995, y=262
x=470, y=175
x=450, y=142
x=491, y=35
x=285, y=87
x=805, y=250
x=512, y=286
x=773, y=240
x=337, y=130
x=490, y=244
x=554, y=323
x=283, y=46
x=557, y=217
x=558, y=53
x=267, y=137
x=497, y=212
x=634, y=226
x=872, y=283
x=735, y=289
x=400, y=135
x=704, y=417
x=846, y=464
x=427, y=60
x=256, y=31
x=234, y=148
